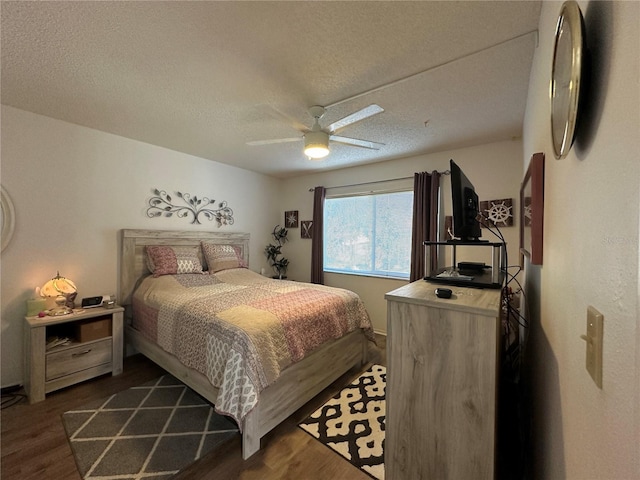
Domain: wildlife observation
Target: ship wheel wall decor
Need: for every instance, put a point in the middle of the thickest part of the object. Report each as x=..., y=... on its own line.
x=497, y=213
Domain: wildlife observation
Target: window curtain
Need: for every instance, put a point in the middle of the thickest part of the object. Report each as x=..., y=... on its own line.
x=426, y=187
x=317, y=240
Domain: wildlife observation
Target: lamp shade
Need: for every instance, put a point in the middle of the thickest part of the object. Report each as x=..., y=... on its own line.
x=316, y=145
x=58, y=285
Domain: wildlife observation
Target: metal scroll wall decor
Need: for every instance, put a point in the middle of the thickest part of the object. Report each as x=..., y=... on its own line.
x=162, y=204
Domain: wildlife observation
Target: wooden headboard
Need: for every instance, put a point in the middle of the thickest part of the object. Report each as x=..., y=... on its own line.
x=133, y=266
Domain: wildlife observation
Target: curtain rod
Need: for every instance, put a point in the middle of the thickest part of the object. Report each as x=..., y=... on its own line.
x=445, y=172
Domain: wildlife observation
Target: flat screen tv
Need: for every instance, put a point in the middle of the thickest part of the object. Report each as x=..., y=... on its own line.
x=465, y=207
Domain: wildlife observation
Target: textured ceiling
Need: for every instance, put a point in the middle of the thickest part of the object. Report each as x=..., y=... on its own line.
x=205, y=78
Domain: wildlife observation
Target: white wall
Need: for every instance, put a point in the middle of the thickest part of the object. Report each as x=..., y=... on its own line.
x=74, y=188
x=495, y=169
x=590, y=258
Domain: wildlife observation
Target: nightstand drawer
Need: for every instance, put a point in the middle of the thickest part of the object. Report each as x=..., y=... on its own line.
x=75, y=359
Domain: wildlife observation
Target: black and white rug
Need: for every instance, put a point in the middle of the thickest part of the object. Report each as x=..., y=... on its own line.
x=352, y=422
x=151, y=431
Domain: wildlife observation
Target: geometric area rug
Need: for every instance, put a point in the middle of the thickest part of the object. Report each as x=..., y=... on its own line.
x=352, y=422
x=148, y=432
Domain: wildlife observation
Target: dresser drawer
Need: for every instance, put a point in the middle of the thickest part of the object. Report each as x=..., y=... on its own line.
x=80, y=357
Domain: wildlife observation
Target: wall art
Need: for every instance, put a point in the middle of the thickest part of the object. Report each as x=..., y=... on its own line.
x=291, y=219
x=306, y=229
x=497, y=213
x=162, y=205
x=532, y=211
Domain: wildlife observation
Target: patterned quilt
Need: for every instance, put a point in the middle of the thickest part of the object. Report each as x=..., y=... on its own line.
x=241, y=329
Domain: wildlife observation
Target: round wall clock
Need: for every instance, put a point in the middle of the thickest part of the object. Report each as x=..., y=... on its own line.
x=566, y=77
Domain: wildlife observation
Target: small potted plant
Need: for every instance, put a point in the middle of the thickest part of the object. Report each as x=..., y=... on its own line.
x=273, y=252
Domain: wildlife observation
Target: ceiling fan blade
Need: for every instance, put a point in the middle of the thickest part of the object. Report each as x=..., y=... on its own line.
x=278, y=114
x=366, y=112
x=355, y=142
x=273, y=141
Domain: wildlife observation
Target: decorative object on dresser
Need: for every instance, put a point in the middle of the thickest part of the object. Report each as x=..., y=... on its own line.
x=441, y=382
x=161, y=204
x=151, y=431
x=64, y=291
x=448, y=227
x=352, y=423
x=280, y=265
x=64, y=350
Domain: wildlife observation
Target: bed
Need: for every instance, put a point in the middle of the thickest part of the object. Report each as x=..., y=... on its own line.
x=297, y=382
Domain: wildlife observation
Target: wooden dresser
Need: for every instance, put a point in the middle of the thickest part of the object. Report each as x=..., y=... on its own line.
x=442, y=376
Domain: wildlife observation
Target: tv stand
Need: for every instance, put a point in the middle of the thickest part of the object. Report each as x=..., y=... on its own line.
x=492, y=277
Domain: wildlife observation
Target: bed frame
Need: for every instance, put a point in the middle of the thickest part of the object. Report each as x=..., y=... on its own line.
x=297, y=384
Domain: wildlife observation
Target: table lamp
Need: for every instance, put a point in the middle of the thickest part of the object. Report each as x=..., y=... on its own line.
x=63, y=290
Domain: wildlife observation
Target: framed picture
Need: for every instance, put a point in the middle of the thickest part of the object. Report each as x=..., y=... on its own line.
x=291, y=219
x=305, y=230
x=532, y=211
x=497, y=213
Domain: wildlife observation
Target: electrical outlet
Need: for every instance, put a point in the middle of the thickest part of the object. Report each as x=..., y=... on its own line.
x=593, y=338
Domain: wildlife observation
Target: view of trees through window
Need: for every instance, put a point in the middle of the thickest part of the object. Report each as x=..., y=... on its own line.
x=369, y=234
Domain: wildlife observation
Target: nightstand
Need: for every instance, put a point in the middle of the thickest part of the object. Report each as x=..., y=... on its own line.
x=95, y=347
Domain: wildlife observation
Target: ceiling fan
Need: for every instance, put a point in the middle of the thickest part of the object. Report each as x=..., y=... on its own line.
x=316, y=139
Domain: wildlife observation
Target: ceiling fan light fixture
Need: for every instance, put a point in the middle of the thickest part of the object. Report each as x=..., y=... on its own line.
x=316, y=145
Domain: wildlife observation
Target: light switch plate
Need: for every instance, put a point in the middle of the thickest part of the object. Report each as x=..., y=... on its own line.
x=595, y=327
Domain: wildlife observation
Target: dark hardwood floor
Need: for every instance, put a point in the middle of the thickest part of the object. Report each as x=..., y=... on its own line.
x=34, y=445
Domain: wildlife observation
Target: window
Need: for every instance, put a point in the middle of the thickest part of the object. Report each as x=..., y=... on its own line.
x=369, y=234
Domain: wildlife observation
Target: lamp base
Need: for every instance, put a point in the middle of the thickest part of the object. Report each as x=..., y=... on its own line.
x=57, y=311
